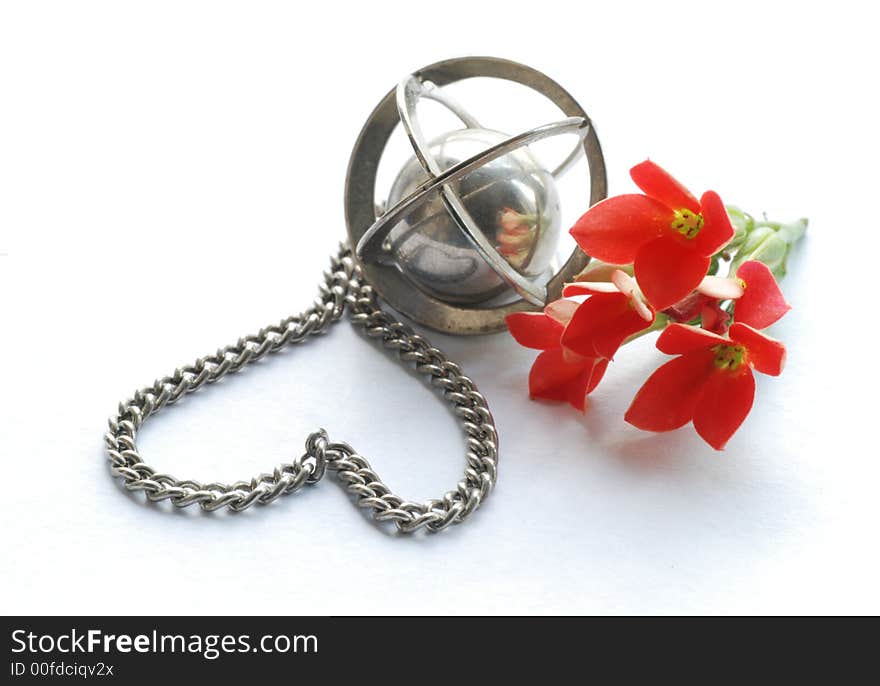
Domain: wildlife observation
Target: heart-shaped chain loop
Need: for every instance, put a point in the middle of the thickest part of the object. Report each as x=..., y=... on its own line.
x=343, y=287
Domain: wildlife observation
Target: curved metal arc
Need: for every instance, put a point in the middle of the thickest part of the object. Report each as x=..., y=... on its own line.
x=409, y=92
x=371, y=241
x=438, y=95
x=571, y=159
x=412, y=88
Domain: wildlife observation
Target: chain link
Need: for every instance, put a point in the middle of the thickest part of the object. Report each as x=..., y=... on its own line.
x=343, y=287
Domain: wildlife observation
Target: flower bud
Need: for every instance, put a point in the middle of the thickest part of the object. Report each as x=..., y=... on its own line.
x=769, y=248
x=770, y=243
x=743, y=223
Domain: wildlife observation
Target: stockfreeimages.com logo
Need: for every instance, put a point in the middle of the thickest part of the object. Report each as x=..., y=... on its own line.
x=210, y=646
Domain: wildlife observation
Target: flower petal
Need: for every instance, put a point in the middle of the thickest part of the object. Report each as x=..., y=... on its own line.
x=597, y=270
x=551, y=376
x=642, y=308
x=572, y=357
x=596, y=372
x=584, y=384
x=720, y=287
x=725, y=403
x=561, y=310
x=614, y=229
x=659, y=184
x=534, y=330
x=687, y=308
x=624, y=282
x=717, y=229
x=668, y=270
x=628, y=286
x=667, y=399
x=762, y=303
x=588, y=288
x=601, y=324
x=679, y=339
x=766, y=354
x=713, y=318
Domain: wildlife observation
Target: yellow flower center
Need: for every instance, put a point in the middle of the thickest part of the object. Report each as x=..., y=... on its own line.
x=687, y=223
x=729, y=357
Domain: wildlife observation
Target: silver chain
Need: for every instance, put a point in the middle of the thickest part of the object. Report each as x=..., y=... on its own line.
x=343, y=286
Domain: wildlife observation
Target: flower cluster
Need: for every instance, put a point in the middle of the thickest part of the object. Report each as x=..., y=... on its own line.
x=659, y=252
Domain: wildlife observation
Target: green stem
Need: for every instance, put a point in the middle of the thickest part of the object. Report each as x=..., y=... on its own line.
x=764, y=241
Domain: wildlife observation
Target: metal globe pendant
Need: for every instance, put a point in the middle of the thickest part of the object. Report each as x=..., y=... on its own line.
x=513, y=201
x=472, y=220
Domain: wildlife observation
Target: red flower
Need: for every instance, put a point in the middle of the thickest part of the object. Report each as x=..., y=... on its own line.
x=710, y=383
x=557, y=373
x=667, y=234
x=714, y=318
x=703, y=307
x=759, y=301
x=613, y=312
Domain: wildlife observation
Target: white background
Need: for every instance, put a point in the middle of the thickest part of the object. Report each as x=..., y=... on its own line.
x=171, y=177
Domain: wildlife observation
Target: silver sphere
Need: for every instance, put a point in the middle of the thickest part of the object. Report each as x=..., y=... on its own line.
x=514, y=201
